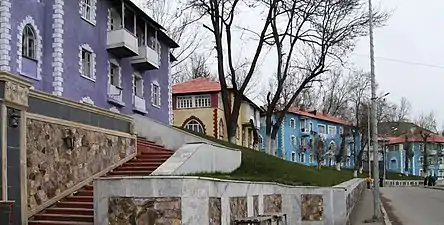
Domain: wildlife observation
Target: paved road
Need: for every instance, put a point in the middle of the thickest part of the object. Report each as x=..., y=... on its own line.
x=416, y=205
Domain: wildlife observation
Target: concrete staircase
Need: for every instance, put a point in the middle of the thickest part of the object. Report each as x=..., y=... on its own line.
x=78, y=208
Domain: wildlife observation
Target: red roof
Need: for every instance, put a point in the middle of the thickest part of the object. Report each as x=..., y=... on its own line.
x=197, y=85
x=318, y=115
x=401, y=139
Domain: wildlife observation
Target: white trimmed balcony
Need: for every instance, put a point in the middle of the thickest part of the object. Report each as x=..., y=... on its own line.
x=115, y=95
x=147, y=59
x=139, y=104
x=122, y=43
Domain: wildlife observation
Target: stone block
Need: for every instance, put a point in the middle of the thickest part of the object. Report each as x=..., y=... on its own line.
x=272, y=203
x=312, y=207
x=214, y=211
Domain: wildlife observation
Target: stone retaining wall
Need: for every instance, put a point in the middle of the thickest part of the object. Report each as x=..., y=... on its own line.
x=207, y=201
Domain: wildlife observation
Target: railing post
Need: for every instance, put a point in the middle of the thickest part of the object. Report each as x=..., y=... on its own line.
x=14, y=93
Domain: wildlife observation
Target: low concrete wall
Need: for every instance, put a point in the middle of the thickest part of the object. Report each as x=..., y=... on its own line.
x=168, y=136
x=207, y=201
x=353, y=191
x=200, y=157
x=403, y=183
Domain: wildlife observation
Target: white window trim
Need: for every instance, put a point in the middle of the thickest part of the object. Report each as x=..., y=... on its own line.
x=193, y=101
x=39, y=46
x=193, y=120
x=114, y=62
x=303, y=123
x=292, y=137
x=93, y=62
x=87, y=100
x=302, y=157
x=292, y=120
x=293, y=156
x=322, y=125
x=328, y=130
x=341, y=130
x=92, y=21
x=137, y=74
x=153, y=84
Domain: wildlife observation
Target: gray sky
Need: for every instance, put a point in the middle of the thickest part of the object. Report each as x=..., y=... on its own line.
x=408, y=53
x=412, y=36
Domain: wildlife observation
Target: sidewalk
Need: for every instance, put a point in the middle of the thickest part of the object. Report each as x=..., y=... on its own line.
x=364, y=210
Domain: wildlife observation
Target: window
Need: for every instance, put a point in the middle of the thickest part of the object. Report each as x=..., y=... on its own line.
x=195, y=126
x=341, y=130
x=321, y=129
x=311, y=159
x=114, y=74
x=292, y=123
x=87, y=63
x=29, y=42
x=331, y=130
x=347, y=162
x=198, y=101
x=302, y=124
x=137, y=85
x=421, y=159
x=293, y=156
x=221, y=128
x=202, y=101
x=293, y=140
x=311, y=127
x=301, y=157
x=87, y=9
x=155, y=94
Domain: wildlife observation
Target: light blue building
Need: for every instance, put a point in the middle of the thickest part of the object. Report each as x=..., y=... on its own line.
x=395, y=156
x=297, y=133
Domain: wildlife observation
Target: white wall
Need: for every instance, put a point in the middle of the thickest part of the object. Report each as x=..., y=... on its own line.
x=200, y=157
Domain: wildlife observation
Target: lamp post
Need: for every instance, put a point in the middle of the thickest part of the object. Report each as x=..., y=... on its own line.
x=376, y=202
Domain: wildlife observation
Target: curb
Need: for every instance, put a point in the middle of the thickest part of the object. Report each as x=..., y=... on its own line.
x=435, y=188
x=385, y=215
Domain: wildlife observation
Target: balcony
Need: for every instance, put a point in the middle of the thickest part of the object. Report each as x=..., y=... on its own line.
x=139, y=104
x=122, y=43
x=148, y=59
x=115, y=95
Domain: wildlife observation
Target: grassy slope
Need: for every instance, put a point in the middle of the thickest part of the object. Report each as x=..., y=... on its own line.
x=258, y=166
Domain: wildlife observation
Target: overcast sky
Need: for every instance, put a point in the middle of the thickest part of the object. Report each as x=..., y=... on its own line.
x=409, y=53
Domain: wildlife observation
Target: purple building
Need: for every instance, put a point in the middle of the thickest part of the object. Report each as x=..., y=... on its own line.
x=103, y=52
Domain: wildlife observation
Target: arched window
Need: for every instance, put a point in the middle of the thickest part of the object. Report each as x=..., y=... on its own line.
x=195, y=126
x=29, y=42
x=221, y=128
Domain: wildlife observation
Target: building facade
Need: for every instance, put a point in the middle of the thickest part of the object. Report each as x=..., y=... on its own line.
x=197, y=106
x=396, y=155
x=297, y=134
x=106, y=53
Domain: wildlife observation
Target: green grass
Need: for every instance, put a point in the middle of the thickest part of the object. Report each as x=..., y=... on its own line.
x=259, y=166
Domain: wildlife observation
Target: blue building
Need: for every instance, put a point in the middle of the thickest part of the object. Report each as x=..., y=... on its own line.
x=395, y=156
x=297, y=134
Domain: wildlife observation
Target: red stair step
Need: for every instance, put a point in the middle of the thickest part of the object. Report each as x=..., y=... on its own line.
x=80, y=198
x=74, y=204
x=135, y=168
x=131, y=173
x=84, y=193
x=64, y=217
x=71, y=211
x=39, y=222
x=143, y=163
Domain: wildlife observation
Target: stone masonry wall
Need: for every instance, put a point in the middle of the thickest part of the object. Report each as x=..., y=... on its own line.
x=145, y=211
x=53, y=168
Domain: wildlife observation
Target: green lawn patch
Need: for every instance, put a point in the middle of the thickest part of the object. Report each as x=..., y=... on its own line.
x=259, y=166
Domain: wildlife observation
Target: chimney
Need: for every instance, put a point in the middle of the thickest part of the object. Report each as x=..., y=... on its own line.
x=313, y=112
x=324, y=111
x=302, y=107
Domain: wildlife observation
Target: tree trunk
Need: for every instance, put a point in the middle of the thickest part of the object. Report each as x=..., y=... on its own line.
x=231, y=132
x=273, y=136
x=338, y=166
x=355, y=173
x=361, y=168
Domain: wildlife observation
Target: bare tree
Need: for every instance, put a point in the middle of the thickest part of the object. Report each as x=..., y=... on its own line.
x=341, y=152
x=316, y=33
x=360, y=107
x=336, y=95
x=195, y=68
x=222, y=14
x=319, y=148
x=181, y=24
x=403, y=110
x=408, y=153
x=428, y=125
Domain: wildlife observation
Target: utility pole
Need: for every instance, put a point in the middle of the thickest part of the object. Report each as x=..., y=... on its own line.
x=377, y=208
x=368, y=144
